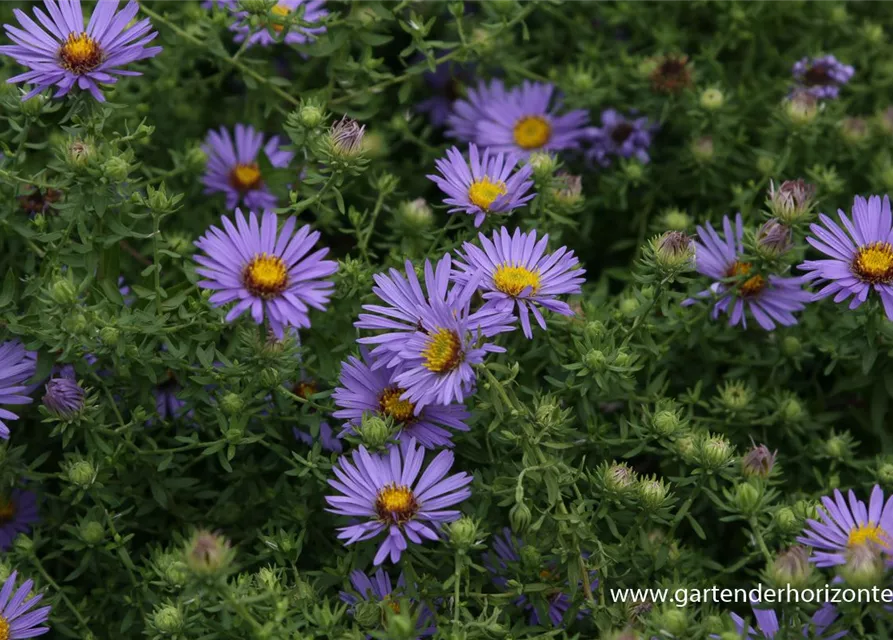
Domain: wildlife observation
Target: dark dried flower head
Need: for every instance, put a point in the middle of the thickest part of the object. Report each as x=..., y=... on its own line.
x=39, y=201
x=672, y=74
x=774, y=238
x=64, y=397
x=792, y=201
x=347, y=137
x=759, y=461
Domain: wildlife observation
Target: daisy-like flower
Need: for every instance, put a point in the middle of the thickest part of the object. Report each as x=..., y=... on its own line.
x=273, y=275
x=860, y=254
x=18, y=511
x=848, y=524
x=388, y=490
x=310, y=13
x=484, y=185
x=526, y=120
x=66, y=55
x=444, y=87
x=768, y=624
x=233, y=167
x=18, y=618
x=365, y=390
x=327, y=438
x=379, y=590
x=822, y=77
x=516, y=272
x=466, y=113
x=16, y=366
x=771, y=299
x=506, y=561
x=619, y=137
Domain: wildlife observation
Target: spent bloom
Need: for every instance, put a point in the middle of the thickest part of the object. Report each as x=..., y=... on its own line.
x=845, y=524
x=16, y=366
x=388, y=491
x=619, y=137
x=860, y=254
x=274, y=275
x=516, y=273
x=378, y=589
x=64, y=397
x=771, y=299
x=821, y=77
x=367, y=391
x=768, y=624
x=670, y=74
x=18, y=511
x=483, y=185
x=66, y=54
x=311, y=13
x=233, y=167
x=18, y=617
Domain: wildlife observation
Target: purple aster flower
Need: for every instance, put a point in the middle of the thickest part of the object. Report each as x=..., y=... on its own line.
x=167, y=401
x=388, y=490
x=64, y=397
x=619, y=136
x=462, y=123
x=822, y=77
x=861, y=254
x=517, y=272
x=506, y=560
x=444, y=86
x=219, y=4
x=378, y=590
x=310, y=12
x=365, y=390
x=16, y=366
x=18, y=512
x=525, y=120
x=272, y=275
x=16, y=618
x=844, y=526
x=770, y=299
x=485, y=187
x=768, y=625
x=233, y=168
x=326, y=438
x=69, y=55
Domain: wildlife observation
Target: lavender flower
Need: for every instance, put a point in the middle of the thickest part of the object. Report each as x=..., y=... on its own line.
x=15, y=620
x=326, y=438
x=770, y=299
x=219, y=4
x=822, y=77
x=273, y=275
x=860, y=254
x=462, y=123
x=378, y=589
x=69, y=55
x=768, y=625
x=168, y=404
x=16, y=366
x=18, y=512
x=485, y=187
x=443, y=87
x=515, y=272
x=64, y=397
x=620, y=137
x=844, y=526
x=365, y=390
x=233, y=168
x=311, y=13
x=388, y=491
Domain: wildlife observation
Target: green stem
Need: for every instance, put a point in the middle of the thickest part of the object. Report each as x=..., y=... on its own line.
x=457, y=579
x=754, y=526
x=74, y=610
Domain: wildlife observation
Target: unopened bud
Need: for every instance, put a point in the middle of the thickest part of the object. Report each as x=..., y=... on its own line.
x=864, y=566
x=854, y=130
x=758, y=462
x=207, y=554
x=791, y=567
x=92, y=532
x=367, y=614
x=62, y=291
x=109, y=336
x=311, y=115
x=712, y=99
x=463, y=533
x=520, y=517
x=653, y=492
x=416, y=214
x=774, y=239
x=802, y=108
x=747, y=497
x=703, y=149
x=543, y=165
x=346, y=137
x=735, y=396
x=82, y=473
x=595, y=360
x=232, y=404
x=168, y=620
x=714, y=452
x=374, y=431
x=787, y=520
x=116, y=169
x=673, y=251
x=676, y=220
x=792, y=201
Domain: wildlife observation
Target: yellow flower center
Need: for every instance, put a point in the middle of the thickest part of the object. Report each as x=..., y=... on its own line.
x=265, y=276
x=513, y=280
x=394, y=606
x=80, y=53
x=868, y=533
x=282, y=11
x=753, y=285
x=532, y=132
x=395, y=503
x=874, y=263
x=245, y=177
x=390, y=404
x=4, y=629
x=7, y=511
x=443, y=352
x=483, y=192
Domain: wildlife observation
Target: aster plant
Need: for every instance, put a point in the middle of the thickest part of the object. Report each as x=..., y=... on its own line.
x=378, y=589
x=17, y=365
x=18, y=511
x=822, y=77
x=18, y=616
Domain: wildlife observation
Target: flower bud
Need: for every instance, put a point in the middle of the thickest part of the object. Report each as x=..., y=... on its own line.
x=91, y=532
x=666, y=423
x=802, y=108
x=400, y=626
x=367, y=614
x=837, y=447
x=196, y=158
x=595, y=360
x=543, y=165
x=712, y=99
x=82, y=473
x=158, y=199
x=232, y=404
x=786, y=520
x=346, y=138
x=885, y=120
x=79, y=153
x=673, y=251
x=109, y=336
x=854, y=130
x=885, y=473
x=735, y=396
x=618, y=478
x=463, y=533
x=791, y=346
x=687, y=447
x=758, y=462
x=168, y=620
x=747, y=498
x=270, y=377
x=774, y=239
x=33, y=106
x=311, y=115
x=520, y=517
x=703, y=149
x=374, y=431
x=62, y=291
x=568, y=189
x=23, y=544
x=595, y=330
x=864, y=566
x=628, y=306
x=792, y=201
x=791, y=567
x=675, y=220
x=673, y=620
x=653, y=492
x=116, y=169
x=207, y=554
x=791, y=410
x=64, y=398
x=714, y=452
x=531, y=558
